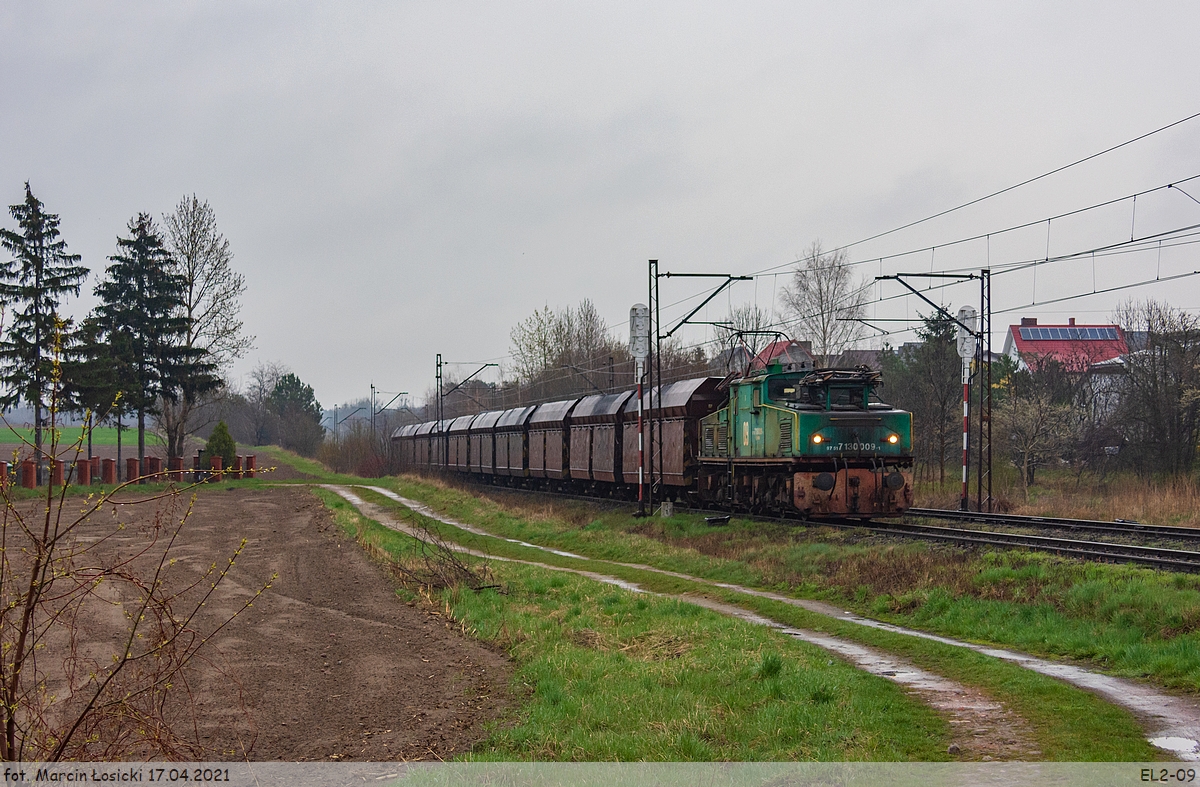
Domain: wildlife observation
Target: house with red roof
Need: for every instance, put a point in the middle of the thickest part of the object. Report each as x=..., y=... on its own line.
x=1076, y=347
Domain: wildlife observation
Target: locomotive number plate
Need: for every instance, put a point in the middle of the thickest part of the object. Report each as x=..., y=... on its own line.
x=851, y=447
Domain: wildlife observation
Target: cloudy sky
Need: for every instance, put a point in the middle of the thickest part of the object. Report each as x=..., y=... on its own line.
x=402, y=179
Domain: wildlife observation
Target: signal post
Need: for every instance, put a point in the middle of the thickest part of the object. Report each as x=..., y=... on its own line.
x=639, y=347
x=967, y=343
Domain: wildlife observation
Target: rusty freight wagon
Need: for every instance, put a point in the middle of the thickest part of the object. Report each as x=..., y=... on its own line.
x=483, y=442
x=596, y=438
x=512, y=442
x=550, y=440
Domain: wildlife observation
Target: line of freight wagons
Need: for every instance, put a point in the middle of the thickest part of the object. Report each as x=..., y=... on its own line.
x=588, y=443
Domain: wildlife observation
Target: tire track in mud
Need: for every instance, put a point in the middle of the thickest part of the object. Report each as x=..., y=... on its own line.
x=1172, y=722
x=981, y=727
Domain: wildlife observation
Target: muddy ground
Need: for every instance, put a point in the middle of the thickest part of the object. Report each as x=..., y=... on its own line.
x=328, y=663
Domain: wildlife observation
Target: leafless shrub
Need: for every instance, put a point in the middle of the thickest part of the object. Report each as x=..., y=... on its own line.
x=100, y=630
x=438, y=565
x=358, y=450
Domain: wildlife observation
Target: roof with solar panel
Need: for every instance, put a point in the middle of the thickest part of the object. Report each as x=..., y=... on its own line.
x=1075, y=346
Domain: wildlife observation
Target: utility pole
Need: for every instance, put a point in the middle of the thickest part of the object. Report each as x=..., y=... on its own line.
x=445, y=442
x=656, y=383
x=975, y=338
x=984, y=476
x=653, y=271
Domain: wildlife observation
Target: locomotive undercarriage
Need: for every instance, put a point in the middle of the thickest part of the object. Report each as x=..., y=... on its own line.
x=864, y=488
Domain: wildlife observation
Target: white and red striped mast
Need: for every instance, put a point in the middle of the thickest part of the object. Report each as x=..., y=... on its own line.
x=639, y=347
x=967, y=342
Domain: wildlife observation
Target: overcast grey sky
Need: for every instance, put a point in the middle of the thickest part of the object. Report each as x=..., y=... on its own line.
x=401, y=179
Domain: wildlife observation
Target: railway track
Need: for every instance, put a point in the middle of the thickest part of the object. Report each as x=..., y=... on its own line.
x=1058, y=523
x=1158, y=557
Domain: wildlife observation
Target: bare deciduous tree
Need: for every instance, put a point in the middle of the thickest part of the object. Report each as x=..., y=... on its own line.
x=821, y=302
x=550, y=340
x=1159, y=410
x=1035, y=428
x=211, y=305
x=533, y=343
x=263, y=379
x=753, y=320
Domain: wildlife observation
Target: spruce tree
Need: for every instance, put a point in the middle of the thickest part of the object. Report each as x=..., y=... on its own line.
x=33, y=284
x=139, y=312
x=220, y=443
x=95, y=372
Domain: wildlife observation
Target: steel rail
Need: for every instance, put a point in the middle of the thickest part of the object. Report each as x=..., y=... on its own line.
x=1173, y=559
x=1047, y=522
x=1158, y=557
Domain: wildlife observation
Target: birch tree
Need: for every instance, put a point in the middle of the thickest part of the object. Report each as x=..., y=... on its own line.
x=210, y=307
x=821, y=302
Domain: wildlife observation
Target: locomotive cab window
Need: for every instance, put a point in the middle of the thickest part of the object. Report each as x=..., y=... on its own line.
x=791, y=392
x=848, y=397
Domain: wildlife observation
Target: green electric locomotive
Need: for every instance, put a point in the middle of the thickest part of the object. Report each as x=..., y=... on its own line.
x=817, y=442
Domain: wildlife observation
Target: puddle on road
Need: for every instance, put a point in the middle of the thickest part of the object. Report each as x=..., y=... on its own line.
x=1181, y=746
x=1173, y=722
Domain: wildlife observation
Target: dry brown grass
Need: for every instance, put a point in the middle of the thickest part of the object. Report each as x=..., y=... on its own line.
x=1061, y=493
x=900, y=570
x=648, y=646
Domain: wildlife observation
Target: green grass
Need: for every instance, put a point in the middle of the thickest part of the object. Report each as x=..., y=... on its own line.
x=609, y=674
x=1119, y=609
x=278, y=455
x=1069, y=724
x=1126, y=620
x=67, y=435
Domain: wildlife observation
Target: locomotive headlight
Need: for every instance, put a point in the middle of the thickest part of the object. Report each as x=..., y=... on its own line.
x=893, y=438
x=818, y=439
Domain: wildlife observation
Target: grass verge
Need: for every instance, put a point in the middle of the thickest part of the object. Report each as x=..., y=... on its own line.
x=1130, y=621
x=1069, y=724
x=614, y=675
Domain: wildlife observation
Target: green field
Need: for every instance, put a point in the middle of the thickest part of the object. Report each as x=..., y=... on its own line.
x=101, y=435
